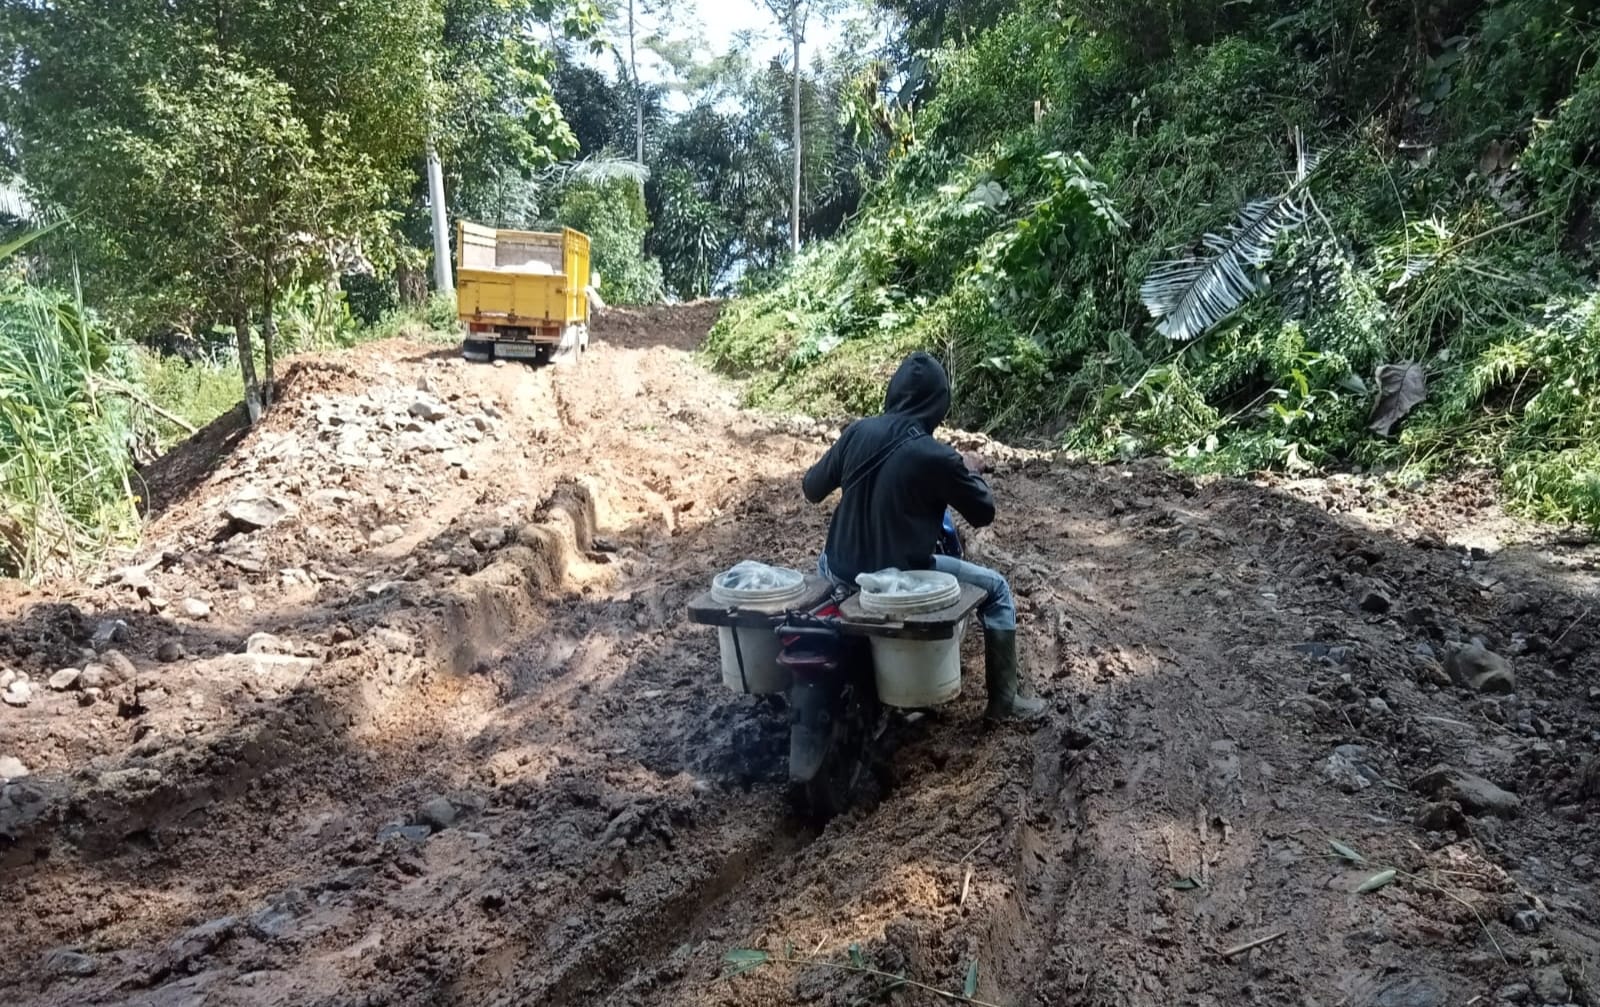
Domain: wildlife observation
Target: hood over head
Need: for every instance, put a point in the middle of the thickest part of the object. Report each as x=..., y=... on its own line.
x=921, y=390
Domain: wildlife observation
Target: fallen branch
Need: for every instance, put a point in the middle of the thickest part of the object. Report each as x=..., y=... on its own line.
x=1572, y=627
x=1235, y=952
x=1424, y=882
x=975, y=848
x=118, y=388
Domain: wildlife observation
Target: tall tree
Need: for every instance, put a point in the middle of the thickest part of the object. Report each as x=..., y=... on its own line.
x=642, y=27
x=792, y=17
x=216, y=153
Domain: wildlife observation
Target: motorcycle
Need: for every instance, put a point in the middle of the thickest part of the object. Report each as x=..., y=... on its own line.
x=822, y=663
x=834, y=712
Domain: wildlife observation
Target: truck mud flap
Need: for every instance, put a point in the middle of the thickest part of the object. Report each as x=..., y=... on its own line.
x=571, y=346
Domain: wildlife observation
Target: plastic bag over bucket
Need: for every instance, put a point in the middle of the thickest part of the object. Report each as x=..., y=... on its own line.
x=750, y=654
x=758, y=584
x=907, y=592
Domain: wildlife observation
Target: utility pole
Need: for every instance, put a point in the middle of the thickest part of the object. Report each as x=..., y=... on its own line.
x=796, y=33
x=441, y=223
x=638, y=89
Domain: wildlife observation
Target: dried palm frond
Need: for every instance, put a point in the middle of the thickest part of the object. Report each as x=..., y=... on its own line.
x=1194, y=294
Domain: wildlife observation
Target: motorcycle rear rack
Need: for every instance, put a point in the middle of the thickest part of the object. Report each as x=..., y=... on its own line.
x=853, y=621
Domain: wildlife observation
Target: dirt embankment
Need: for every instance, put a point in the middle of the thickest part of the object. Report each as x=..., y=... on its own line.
x=397, y=707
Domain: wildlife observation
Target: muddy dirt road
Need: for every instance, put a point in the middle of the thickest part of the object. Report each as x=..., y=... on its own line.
x=397, y=706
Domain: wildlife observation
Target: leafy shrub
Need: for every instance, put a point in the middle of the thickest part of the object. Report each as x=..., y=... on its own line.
x=612, y=212
x=1452, y=222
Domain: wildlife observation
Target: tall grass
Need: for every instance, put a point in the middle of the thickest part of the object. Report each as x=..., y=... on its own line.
x=64, y=460
x=195, y=391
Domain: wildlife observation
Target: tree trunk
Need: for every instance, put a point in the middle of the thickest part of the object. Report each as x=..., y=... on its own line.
x=412, y=286
x=247, y=363
x=269, y=338
x=638, y=89
x=794, y=205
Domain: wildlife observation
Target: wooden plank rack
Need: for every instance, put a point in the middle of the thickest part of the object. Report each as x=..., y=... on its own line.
x=854, y=620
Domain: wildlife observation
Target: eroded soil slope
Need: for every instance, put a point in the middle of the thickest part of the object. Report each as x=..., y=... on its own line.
x=397, y=707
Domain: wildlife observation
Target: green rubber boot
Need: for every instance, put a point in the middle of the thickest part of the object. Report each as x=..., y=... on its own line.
x=1002, y=675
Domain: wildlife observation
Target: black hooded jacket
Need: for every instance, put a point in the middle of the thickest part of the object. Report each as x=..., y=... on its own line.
x=897, y=479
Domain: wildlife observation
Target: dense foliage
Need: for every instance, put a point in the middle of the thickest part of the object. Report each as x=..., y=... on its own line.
x=1069, y=147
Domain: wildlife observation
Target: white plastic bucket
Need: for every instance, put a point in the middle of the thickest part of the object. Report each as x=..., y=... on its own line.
x=914, y=673
x=918, y=673
x=750, y=654
x=759, y=650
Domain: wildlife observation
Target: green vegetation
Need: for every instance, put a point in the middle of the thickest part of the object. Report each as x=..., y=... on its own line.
x=1070, y=147
x=64, y=460
x=1228, y=232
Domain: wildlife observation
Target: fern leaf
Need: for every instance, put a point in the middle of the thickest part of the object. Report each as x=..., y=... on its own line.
x=1193, y=295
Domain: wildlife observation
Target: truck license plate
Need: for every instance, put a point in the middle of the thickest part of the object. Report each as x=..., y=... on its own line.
x=516, y=351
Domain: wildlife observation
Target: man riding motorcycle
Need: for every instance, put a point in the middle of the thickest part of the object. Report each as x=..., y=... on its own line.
x=897, y=482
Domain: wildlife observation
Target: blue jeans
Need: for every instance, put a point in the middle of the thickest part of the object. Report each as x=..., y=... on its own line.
x=999, y=609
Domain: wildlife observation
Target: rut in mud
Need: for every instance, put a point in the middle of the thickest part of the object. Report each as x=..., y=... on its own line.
x=398, y=707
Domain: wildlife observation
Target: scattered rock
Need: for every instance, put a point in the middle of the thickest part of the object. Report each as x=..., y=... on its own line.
x=426, y=407
x=170, y=652
x=1410, y=993
x=95, y=676
x=1442, y=817
x=1476, y=795
x=278, y=917
x=395, y=641
x=196, y=609
x=488, y=539
x=1332, y=653
x=438, y=814
x=1550, y=986
x=7, y=676
x=200, y=941
x=385, y=535
x=120, y=667
x=267, y=643
x=108, y=632
x=12, y=768
x=1481, y=670
x=1376, y=602
x=1347, y=770
x=19, y=693
x=1514, y=993
x=1377, y=707
x=65, y=679
x=135, y=578
x=70, y=962
x=1527, y=921
x=255, y=511
x=409, y=833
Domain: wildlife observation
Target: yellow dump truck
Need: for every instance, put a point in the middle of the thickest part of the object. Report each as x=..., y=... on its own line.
x=523, y=295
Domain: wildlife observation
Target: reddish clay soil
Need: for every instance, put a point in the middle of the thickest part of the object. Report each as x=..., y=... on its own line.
x=397, y=705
